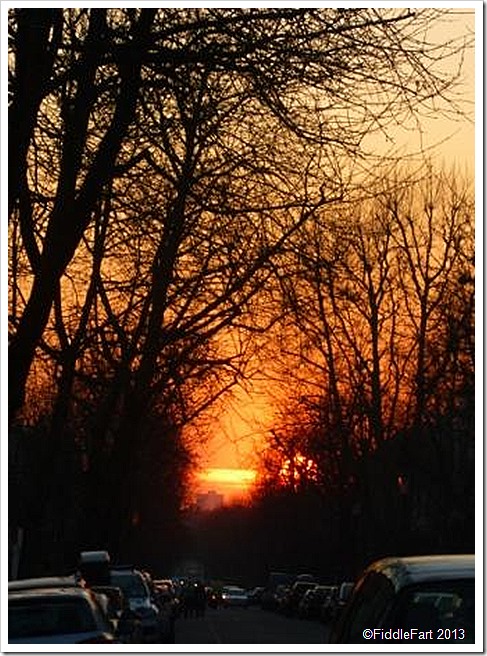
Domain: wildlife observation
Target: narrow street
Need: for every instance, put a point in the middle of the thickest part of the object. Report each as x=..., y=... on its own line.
x=248, y=626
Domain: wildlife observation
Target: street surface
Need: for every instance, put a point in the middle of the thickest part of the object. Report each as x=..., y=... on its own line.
x=248, y=626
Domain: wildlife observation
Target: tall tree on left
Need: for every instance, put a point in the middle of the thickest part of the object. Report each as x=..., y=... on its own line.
x=69, y=68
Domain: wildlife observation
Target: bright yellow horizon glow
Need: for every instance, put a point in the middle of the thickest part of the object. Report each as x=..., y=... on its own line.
x=228, y=476
x=233, y=483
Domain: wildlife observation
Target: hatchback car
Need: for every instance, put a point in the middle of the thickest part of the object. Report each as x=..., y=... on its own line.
x=291, y=600
x=56, y=616
x=311, y=602
x=344, y=592
x=136, y=591
x=422, y=599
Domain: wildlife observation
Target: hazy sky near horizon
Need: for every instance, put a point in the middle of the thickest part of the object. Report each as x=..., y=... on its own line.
x=443, y=134
x=451, y=142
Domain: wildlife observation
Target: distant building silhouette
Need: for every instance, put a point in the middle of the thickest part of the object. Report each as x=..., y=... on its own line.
x=209, y=501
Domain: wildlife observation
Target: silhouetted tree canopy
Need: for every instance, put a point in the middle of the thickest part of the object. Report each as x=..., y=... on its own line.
x=168, y=166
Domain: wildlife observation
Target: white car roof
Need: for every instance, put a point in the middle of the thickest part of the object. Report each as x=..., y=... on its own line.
x=418, y=569
x=46, y=582
x=48, y=594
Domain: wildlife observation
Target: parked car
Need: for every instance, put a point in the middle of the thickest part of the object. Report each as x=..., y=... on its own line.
x=277, y=584
x=166, y=598
x=329, y=602
x=94, y=567
x=155, y=627
x=307, y=578
x=272, y=598
x=411, y=599
x=112, y=601
x=255, y=595
x=47, y=582
x=310, y=605
x=233, y=595
x=165, y=587
x=344, y=592
x=290, y=602
x=70, y=615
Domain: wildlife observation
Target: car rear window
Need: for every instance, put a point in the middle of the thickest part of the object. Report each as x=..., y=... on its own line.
x=131, y=584
x=35, y=617
x=441, y=606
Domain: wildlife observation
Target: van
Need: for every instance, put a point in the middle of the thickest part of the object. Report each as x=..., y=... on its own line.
x=94, y=567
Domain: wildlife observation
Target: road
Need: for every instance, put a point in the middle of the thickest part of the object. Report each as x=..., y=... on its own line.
x=248, y=626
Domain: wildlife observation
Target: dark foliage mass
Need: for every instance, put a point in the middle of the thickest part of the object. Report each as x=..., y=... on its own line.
x=407, y=501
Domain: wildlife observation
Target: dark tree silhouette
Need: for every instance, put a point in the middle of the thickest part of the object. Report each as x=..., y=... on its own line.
x=287, y=57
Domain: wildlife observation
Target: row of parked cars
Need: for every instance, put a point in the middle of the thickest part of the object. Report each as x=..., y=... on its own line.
x=407, y=599
x=324, y=602
x=307, y=599
x=100, y=603
x=422, y=599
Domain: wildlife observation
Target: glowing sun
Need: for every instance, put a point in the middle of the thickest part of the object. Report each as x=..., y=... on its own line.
x=232, y=483
x=241, y=478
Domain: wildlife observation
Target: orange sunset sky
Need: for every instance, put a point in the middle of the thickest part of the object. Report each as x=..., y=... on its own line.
x=229, y=458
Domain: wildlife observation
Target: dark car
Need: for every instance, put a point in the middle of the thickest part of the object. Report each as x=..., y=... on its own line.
x=294, y=595
x=311, y=601
x=94, y=567
x=165, y=596
x=329, y=602
x=113, y=600
x=421, y=599
x=109, y=598
x=272, y=599
x=155, y=626
x=68, y=615
x=344, y=592
x=255, y=595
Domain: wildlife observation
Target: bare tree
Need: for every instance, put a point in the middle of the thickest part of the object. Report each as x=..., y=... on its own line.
x=169, y=157
x=433, y=223
x=172, y=272
x=35, y=35
x=74, y=197
x=313, y=70
x=377, y=341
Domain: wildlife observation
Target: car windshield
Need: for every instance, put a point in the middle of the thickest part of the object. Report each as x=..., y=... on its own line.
x=40, y=617
x=131, y=584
